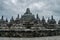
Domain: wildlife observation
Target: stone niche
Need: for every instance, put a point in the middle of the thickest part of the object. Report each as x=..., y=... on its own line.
x=28, y=25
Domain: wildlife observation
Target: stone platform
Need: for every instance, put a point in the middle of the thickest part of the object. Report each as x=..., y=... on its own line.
x=29, y=34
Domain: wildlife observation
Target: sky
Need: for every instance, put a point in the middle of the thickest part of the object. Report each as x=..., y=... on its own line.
x=46, y=8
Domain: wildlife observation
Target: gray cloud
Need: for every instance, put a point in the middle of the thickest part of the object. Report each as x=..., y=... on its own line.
x=45, y=8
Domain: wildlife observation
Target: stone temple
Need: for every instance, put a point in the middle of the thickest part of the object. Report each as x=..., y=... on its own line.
x=29, y=26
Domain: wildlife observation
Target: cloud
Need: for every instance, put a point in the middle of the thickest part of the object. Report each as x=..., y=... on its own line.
x=45, y=8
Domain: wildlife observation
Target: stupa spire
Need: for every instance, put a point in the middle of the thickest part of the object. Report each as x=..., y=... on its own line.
x=12, y=19
x=37, y=16
x=52, y=17
x=17, y=17
x=43, y=20
x=2, y=18
x=28, y=11
x=6, y=20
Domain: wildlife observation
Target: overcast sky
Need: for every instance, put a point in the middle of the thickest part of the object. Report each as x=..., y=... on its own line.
x=45, y=8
